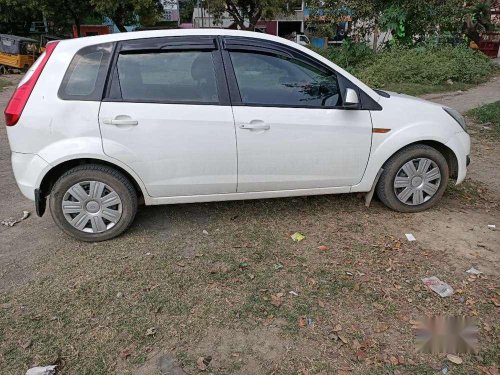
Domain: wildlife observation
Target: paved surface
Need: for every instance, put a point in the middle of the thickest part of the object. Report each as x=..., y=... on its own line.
x=473, y=98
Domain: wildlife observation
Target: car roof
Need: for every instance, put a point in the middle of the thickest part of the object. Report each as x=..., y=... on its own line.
x=115, y=37
x=17, y=38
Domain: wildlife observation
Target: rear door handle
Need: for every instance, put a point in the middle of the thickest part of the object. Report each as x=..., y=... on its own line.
x=120, y=120
x=256, y=126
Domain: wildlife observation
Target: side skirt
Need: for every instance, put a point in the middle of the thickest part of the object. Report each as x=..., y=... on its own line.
x=243, y=196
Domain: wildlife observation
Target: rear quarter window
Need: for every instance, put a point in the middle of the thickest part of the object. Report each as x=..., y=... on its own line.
x=86, y=74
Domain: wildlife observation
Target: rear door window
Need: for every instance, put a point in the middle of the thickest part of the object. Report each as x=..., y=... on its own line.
x=86, y=75
x=168, y=77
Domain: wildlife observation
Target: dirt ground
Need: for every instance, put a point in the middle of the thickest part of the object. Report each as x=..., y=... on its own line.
x=167, y=298
x=473, y=98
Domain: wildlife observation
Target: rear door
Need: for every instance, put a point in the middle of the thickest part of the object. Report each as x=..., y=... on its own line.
x=167, y=116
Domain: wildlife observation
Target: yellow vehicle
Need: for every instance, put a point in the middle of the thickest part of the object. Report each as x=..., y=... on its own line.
x=44, y=39
x=16, y=53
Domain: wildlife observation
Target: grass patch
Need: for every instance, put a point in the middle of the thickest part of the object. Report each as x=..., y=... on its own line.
x=212, y=295
x=430, y=66
x=470, y=191
x=408, y=369
x=488, y=119
x=417, y=89
x=490, y=356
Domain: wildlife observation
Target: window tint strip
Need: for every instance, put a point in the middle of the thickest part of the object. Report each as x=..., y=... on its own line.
x=170, y=43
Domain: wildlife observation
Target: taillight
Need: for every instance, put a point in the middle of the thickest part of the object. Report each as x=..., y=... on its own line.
x=20, y=97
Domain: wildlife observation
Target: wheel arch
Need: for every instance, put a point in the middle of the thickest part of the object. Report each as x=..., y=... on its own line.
x=449, y=155
x=376, y=163
x=50, y=178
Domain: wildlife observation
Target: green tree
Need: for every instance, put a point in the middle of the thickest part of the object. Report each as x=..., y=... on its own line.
x=127, y=12
x=186, y=10
x=407, y=20
x=16, y=16
x=364, y=14
x=62, y=11
x=478, y=18
x=246, y=13
x=413, y=21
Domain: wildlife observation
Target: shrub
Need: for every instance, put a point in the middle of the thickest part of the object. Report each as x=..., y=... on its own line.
x=427, y=66
x=350, y=56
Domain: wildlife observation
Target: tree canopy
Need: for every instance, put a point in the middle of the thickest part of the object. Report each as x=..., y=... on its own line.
x=127, y=12
x=246, y=13
x=409, y=21
x=16, y=16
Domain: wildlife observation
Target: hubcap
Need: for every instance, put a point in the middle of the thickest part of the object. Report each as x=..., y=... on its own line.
x=92, y=207
x=417, y=181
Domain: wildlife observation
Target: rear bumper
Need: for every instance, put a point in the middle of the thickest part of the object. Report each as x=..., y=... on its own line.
x=28, y=169
x=460, y=144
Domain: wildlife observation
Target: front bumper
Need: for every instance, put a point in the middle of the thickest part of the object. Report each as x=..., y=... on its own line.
x=28, y=169
x=460, y=145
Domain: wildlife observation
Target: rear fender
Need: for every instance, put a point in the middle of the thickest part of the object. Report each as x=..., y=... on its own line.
x=84, y=148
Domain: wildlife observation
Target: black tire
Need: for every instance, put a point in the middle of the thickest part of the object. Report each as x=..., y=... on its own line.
x=385, y=187
x=94, y=172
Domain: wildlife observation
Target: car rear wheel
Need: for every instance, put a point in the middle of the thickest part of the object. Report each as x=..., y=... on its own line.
x=93, y=203
x=414, y=179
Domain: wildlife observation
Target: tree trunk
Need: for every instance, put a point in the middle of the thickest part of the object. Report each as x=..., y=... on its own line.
x=119, y=18
x=78, y=27
x=471, y=30
x=252, y=20
x=376, y=33
x=234, y=12
x=121, y=27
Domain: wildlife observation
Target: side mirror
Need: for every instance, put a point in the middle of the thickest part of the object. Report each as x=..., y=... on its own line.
x=351, y=99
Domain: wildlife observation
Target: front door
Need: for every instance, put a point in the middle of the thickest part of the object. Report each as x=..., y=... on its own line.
x=292, y=130
x=167, y=119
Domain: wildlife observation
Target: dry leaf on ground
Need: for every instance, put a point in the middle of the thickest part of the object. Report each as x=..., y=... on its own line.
x=454, y=359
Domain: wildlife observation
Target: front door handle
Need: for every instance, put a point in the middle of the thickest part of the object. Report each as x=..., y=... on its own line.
x=255, y=126
x=120, y=121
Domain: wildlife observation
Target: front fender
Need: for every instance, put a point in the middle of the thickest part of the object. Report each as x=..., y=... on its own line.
x=386, y=145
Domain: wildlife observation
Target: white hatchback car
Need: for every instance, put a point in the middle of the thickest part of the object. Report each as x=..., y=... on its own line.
x=100, y=123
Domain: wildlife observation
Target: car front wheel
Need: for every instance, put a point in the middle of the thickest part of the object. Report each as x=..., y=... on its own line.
x=414, y=179
x=93, y=203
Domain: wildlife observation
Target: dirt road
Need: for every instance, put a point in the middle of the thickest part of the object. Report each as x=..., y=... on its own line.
x=77, y=281
x=486, y=93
